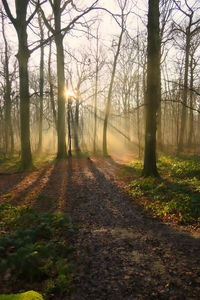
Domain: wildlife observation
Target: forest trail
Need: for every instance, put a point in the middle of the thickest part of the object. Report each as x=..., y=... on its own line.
x=121, y=253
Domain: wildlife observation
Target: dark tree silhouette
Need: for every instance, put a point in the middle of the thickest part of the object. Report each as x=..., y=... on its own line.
x=153, y=89
x=20, y=23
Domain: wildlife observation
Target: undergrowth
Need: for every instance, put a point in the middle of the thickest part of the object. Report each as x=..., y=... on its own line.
x=13, y=163
x=176, y=195
x=34, y=249
x=9, y=162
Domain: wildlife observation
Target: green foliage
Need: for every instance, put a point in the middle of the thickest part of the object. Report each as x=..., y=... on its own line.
x=185, y=169
x=177, y=195
x=30, y=295
x=132, y=168
x=14, y=164
x=7, y=196
x=181, y=167
x=33, y=246
x=43, y=159
x=7, y=163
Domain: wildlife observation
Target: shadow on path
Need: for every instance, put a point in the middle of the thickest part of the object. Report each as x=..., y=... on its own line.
x=121, y=253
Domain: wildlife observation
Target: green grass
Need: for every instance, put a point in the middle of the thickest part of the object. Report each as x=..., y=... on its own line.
x=176, y=196
x=34, y=249
x=30, y=295
x=43, y=159
x=13, y=163
x=132, y=168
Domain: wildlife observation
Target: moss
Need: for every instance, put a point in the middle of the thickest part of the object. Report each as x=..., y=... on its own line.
x=30, y=295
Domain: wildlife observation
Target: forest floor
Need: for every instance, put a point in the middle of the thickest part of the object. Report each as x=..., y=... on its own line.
x=121, y=252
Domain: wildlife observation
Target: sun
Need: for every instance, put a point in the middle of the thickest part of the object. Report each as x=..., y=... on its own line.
x=69, y=93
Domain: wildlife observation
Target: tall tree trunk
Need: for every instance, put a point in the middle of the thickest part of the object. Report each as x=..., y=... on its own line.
x=20, y=23
x=62, y=150
x=69, y=115
x=137, y=98
x=138, y=115
x=9, y=139
x=185, y=92
x=23, y=56
x=153, y=88
x=51, y=89
x=76, y=127
x=95, y=96
x=159, y=118
x=191, y=116
x=41, y=84
x=108, y=104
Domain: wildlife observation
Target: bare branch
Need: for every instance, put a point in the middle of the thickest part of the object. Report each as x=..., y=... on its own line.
x=7, y=9
x=181, y=102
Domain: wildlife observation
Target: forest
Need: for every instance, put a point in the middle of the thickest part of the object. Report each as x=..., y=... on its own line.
x=99, y=149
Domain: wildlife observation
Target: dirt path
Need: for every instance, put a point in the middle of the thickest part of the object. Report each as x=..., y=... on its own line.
x=120, y=252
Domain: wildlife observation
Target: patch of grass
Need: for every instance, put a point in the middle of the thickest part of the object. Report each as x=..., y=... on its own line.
x=33, y=248
x=30, y=295
x=43, y=160
x=185, y=169
x=132, y=168
x=7, y=196
x=11, y=162
x=177, y=195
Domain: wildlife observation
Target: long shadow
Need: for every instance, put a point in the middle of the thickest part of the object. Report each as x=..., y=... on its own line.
x=74, y=184
x=27, y=190
x=8, y=182
x=109, y=186
x=49, y=196
x=19, y=196
x=126, y=254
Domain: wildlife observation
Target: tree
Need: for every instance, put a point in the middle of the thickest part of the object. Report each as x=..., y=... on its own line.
x=51, y=86
x=20, y=23
x=153, y=89
x=9, y=139
x=108, y=104
x=188, y=33
x=41, y=81
x=58, y=36
x=166, y=9
x=58, y=6
x=96, y=91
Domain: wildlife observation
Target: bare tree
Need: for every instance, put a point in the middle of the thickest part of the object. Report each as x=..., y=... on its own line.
x=9, y=138
x=192, y=28
x=41, y=81
x=153, y=88
x=20, y=24
x=58, y=7
x=108, y=104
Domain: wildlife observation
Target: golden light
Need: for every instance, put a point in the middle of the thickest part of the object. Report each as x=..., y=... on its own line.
x=69, y=93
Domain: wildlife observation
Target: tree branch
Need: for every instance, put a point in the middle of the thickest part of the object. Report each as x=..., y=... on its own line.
x=10, y=16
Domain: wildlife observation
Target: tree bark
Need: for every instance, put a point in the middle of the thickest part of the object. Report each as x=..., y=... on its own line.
x=76, y=127
x=51, y=89
x=23, y=55
x=153, y=88
x=41, y=85
x=9, y=139
x=69, y=114
x=62, y=150
x=191, y=115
